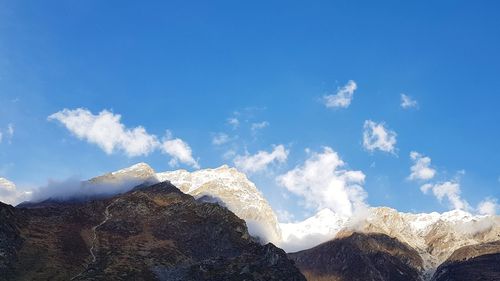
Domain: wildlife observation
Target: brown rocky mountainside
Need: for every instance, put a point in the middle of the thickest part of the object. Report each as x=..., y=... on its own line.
x=149, y=233
x=360, y=257
x=475, y=262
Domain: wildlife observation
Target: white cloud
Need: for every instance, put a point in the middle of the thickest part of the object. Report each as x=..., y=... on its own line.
x=234, y=122
x=9, y=193
x=343, y=97
x=488, y=206
x=323, y=182
x=106, y=130
x=376, y=136
x=9, y=133
x=449, y=190
x=421, y=169
x=179, y=150
x=408, y=102
x=261, y=160
x=257, y=126
x=220, y=139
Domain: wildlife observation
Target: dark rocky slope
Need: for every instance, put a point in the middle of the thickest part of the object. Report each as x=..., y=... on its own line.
x=360, y=257
x=149, y=233
x=476, y=262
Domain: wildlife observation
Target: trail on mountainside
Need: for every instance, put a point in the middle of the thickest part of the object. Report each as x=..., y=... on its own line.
x=107, y=216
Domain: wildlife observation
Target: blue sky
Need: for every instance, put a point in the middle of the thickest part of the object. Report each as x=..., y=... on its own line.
x=189, y=66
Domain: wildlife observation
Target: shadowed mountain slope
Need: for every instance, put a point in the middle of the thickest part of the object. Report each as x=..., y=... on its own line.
x=149, y=233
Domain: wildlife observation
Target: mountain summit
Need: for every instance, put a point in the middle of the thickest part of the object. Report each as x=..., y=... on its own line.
x=152, y=232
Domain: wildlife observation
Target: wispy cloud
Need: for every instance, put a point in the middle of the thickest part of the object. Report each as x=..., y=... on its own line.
x=261, y=160
x=407, y=102
x=234, y=122
x=377, y=137
x=7, y=133
x=258, y=126
x=220, y=138
x=342, y=98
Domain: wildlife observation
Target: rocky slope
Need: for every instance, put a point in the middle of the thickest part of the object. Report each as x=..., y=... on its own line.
x=149, y=233
x=360, y=257
x=434, y=236
x=475, y=262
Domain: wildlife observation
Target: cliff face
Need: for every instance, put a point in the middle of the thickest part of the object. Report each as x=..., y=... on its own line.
x=149, y=233
x=360, y=257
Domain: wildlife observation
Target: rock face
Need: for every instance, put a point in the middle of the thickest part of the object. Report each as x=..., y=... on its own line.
x=360, y=257
x=476, y=262
x=149, y=233
x=234, y=191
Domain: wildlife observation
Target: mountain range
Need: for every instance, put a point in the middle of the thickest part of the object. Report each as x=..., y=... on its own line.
x=382, y=244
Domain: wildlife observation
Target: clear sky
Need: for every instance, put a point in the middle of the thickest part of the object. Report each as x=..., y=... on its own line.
x=298, y=77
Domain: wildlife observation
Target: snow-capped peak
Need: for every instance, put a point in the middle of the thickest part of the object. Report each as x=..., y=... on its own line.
x=237, y=193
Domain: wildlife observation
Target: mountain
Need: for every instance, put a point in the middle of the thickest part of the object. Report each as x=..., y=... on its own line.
x=435, y=236
x=308, y=233
x=360, y=257
x=474, y=262
x=153, y=232
x=223, y=185
x=140, y=172
x=235, y=191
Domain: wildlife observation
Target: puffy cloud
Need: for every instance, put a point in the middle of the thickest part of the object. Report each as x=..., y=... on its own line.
x=257, y=126
x=261, y=160
x=488, y=206
x=421, y=169
x=449, y=190
x=9, y=193
x=324, y=182
x=408, y=102
x=377, y=136
x=220, y=139
x=179, y=150
x=106, y=130
x=343, y=97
